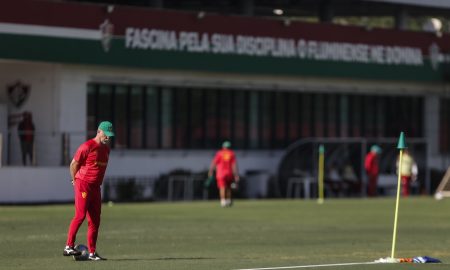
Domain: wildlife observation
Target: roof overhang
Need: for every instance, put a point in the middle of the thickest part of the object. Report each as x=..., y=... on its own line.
x=427, y=3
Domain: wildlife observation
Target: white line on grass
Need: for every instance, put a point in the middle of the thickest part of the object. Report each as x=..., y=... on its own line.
x=310, y=266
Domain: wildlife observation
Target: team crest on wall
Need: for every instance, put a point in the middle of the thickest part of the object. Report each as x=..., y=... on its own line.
x=18, y=93
x=435, y=55
x=107, y=31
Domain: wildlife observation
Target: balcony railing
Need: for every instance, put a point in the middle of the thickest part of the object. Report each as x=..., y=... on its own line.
x=48, y=149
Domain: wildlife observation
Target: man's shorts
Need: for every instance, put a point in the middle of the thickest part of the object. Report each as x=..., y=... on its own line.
x=224, y=181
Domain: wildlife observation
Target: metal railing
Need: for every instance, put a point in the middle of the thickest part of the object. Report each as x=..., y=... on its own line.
x=186, y=187
x=49, y=148
x=130, y=188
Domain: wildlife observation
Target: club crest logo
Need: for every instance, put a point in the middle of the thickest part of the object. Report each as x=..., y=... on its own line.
x=18, y=93
x=107, y=31
x=435, y=55
x=84, y=195
x=226, y=156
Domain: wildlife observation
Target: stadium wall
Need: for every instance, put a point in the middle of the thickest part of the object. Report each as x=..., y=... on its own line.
x=58, y=56
x=58, y=101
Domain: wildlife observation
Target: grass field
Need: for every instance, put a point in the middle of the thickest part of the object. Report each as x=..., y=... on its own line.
x=252, y=234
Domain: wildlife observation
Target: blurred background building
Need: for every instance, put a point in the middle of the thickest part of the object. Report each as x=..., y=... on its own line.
x=177, y=78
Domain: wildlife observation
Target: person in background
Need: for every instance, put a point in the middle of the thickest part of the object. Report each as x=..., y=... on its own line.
x=408, y=172
x=26, y=136
x=371, y=165
x=349, y=177
x=334, y=180
x=87, y=170
x=227, y=175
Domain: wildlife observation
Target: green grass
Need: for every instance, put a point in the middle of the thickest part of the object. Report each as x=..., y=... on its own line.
x=252, y=234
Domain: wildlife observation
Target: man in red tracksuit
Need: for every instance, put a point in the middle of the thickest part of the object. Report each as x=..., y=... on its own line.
x=371, y=164
x=226, y=172
x=87, y=170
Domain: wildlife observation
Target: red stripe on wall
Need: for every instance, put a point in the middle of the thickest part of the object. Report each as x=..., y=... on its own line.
x=90, y=16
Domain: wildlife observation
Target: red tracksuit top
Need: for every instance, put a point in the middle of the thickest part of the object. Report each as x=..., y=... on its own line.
x=93, y=159
x=224, y=161
x=371, y=164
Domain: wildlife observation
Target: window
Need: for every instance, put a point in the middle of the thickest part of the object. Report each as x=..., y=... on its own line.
x=293, y=117
x=165, y=117
x=319, y=119
x=225, y=114
x=92, y=110
x=356, y=113
x=240, y=116
x=197, y=111
x=181, y=115
x=369, y=112
x=104, y=105
x=332, y=119
x=280, y=119
x=380, y=120
x=416, y=117
x=266, y=112
x=212, y=119
x=254, y=120
x=152, y=115
x=344, y=113
x=121, y=127
x=444, y=125
x=306, y=115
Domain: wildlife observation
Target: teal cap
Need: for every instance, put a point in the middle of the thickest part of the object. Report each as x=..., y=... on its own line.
x=107, y=128
x=321, y=149
x=226, y=144
x=375, y=148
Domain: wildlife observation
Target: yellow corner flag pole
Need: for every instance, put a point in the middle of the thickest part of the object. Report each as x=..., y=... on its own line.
x=401, y=146
x=321, y=172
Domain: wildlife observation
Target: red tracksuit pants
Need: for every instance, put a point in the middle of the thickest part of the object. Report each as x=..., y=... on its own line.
x=405, y=185
x=372, y=188
x=87, y=201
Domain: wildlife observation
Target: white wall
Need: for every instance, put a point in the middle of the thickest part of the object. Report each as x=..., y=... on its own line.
x=35, y=185
x=52, y=184
x=42, y=103
x=159, y=162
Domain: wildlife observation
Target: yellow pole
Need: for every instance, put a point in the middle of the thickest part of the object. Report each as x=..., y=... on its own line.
x=401, y=146
x=394, y=237
x=321, y=172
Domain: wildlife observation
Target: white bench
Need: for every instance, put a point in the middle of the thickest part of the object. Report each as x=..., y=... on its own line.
x=388, y=183
x=298, y=184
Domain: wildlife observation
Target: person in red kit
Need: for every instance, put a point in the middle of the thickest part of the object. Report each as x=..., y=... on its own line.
x=371, y=164
x=26, y=135
x=408, y=172
x=226, y=172
x=87, y=170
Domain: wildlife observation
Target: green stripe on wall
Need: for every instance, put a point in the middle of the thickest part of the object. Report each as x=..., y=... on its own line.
x=91, y=52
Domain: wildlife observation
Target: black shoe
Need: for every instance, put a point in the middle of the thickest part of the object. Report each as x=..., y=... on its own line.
x=95, y=257
x=70, y=251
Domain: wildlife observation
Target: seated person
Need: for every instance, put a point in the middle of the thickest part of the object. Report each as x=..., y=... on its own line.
x=350, y=179
x=334, y=180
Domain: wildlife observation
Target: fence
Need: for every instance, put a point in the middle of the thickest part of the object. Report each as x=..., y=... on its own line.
x=297, y=171
x=156, y=188
x=129, y=188
x=49, y=148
